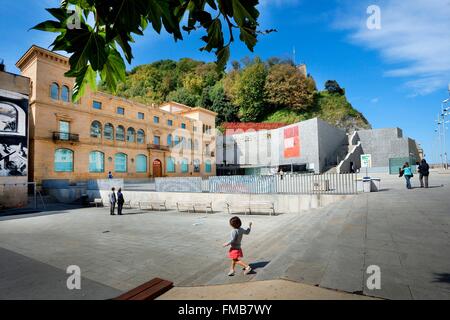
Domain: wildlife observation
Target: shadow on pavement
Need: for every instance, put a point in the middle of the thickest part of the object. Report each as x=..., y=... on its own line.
x=442, y=277
x=259, y=265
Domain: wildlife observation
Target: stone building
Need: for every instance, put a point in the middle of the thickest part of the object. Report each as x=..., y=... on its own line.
x=101, y=132
x=14, y=94
x=311, y=145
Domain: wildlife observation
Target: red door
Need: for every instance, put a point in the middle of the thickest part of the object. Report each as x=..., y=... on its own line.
x=157, y=168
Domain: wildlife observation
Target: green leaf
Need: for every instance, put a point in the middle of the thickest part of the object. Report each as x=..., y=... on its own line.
x=49, y=26
x=114, y=70
x=87, y=76
x=222, y=57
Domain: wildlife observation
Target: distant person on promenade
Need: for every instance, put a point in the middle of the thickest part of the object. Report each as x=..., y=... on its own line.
x=424, y=172
x=110, y=176
x=407, y=173
x=112, y=200
x=120, y=201
x=235, y=252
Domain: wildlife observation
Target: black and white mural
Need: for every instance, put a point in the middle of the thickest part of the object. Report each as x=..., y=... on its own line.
x=13, y=134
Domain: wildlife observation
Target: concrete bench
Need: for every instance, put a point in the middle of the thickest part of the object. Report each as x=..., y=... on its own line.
x=194, y=206
x=147, y=291
x=266, y=206
x=97, y=202
x=153, y=205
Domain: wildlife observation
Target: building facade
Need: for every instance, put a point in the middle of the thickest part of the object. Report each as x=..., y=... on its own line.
x=311, y=145
x=14, y=95
x=103, y=133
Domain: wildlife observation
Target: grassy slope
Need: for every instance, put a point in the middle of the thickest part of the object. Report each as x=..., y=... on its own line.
x=332, y=108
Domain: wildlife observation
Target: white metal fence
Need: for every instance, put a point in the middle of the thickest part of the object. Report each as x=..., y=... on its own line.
x=331, y=183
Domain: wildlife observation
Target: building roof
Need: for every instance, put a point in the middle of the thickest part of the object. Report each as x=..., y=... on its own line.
x=256, y=126
x=34, y=50
x=187, y=109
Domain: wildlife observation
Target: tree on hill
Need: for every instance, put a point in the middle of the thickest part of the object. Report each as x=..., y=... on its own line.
x=286, y=86
x=250, y=91
x=333, y=87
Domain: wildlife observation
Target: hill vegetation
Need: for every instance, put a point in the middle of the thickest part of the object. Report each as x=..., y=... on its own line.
x=253, y=90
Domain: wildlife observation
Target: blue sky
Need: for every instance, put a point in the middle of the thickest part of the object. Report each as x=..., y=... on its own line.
x=397, y=76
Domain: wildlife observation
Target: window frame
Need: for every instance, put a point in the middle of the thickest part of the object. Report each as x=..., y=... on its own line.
x=72, y=153
x=102, y=161
x=126, y=162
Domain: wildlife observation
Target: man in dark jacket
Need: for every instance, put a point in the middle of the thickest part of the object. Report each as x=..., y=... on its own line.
x=424, y=172
x=120, y=201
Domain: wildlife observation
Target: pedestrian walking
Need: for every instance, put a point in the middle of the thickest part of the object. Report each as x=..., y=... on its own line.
x=112, y=200
x=407, y=173
x=235, y=252
x=424, y=172
x=120, y=201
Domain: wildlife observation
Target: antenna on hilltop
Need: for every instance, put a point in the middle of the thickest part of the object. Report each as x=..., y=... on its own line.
x=293, y=55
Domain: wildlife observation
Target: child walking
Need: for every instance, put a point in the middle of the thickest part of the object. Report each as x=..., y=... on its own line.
x=235, y=251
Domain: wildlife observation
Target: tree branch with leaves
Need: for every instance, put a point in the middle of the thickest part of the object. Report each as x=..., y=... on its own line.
x=94, y=46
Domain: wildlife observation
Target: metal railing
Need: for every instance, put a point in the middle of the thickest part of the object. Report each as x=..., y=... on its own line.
x=330, y=183
x=158, y=147
x=65, y=136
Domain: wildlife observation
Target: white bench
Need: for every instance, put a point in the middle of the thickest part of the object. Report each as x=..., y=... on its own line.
x=266, y=206
x=127, y=204
x=194, y=206
x=153, y=205
x=97, y=202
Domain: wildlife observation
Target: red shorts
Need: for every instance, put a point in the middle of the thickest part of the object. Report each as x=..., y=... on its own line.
x=235, y=254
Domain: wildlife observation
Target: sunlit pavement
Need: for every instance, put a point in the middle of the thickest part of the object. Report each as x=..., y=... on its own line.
x=403, y=232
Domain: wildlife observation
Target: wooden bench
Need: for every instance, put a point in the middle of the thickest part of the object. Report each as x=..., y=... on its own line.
x=127, y=204
x=97, y=202
x=153, y=205
x=147, y=291
x=252, y=205
x=195, y=206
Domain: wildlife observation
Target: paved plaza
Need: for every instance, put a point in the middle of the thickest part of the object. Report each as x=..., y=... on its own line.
x=404, y=232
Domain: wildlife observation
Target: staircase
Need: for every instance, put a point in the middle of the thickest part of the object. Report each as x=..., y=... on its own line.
x=354, y=151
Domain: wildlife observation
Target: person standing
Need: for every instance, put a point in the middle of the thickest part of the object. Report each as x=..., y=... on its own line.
x=424, y=172
x=112, y=200
x=110, y=176
x=120, y=201
x=407, y=173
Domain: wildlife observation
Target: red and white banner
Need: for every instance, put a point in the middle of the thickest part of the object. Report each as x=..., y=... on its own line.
x=291, y=142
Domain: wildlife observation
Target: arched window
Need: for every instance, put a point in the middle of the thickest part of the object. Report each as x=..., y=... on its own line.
x=176, y=140
x=65, y=92
x=169, y=140
x=54, y=91
x=141, y=163
x=63, y=160
x=196, y=165
x=120, y=162
x=131, y=133
x=184, y=166
x=170, y=164
x=208, y=166
x=140, y=136
x=96, y=161
x=109, y=131
x=120, y=133
x=189, y=146
x=8, y=117
x=96, y=129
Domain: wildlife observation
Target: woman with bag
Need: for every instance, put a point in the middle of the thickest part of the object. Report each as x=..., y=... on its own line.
x=407, y=173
